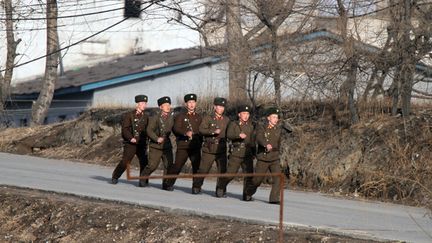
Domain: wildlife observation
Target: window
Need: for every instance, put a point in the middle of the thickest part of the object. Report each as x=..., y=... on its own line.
x=23, y=122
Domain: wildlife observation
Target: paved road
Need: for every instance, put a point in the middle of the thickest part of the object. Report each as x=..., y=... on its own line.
x=314, y=210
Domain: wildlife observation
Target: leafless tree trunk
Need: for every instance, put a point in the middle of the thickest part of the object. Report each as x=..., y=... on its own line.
x=238, y=54
x=11, y=44
x=41, y=106
x=411, y=43
x=408, y=60
x=275, y=68
x=272, y=14
x=349, y=85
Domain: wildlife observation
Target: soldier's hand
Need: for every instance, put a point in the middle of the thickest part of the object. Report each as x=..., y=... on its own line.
x=286, y=171
x=160, y=140
x=133, y=140
x=189, y=134
x=217, y=131
x=269, y=147
x=242, y=135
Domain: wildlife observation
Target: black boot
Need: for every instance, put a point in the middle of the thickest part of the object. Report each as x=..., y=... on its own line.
x=143, y=183
x=247, y=198
x=275, y=202
x=220, y=192
x=167, y=187
x=196, y=190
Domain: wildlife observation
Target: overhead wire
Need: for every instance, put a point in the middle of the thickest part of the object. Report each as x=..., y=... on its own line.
x=63, y=17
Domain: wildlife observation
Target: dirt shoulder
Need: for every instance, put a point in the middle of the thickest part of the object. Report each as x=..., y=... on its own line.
x=36, y=216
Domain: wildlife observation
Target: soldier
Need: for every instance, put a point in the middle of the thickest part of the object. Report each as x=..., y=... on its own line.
x=268, y=139
x=213, y=128
x=189, y=141
x=158, y=131
x=241, y=134
x=134, y=124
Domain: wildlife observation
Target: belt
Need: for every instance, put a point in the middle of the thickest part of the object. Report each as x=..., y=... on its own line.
x=216, y=140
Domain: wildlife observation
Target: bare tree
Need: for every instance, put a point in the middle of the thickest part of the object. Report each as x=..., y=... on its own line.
x=271, y=15
x=238, y=52
x=11, y=45
x=412, y=40
x=349, y=85
x=42, y=104
x=215, y=18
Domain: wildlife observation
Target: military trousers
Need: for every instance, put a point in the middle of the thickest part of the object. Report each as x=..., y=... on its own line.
x=234, y=163
x=129, y=151
x=154, y=158
x=207, y=160
x=180, y=160
x=263, y=167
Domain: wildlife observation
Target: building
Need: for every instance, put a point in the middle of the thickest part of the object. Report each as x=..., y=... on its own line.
x=116, y=82
x=78, y=20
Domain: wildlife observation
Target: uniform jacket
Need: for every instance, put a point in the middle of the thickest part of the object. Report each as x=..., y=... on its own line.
x=266, y=135
x=241, y=147
x=160, y=126
x=184, y=122
x=134, y=126
x=214, y=143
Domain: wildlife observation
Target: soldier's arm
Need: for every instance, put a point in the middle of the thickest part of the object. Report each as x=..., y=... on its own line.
x=260, y=138
x=151, y=127
x=170, y=129
x=232, y=132
x=276, y=138
x=253, y=136
x=279, y=140
x=287, y=127
x=179, y=129
x=127, y=127
x=228, y=121
x=146, y=120
x=204, y=127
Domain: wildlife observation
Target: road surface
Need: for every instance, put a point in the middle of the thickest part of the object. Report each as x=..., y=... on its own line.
x=369, y=220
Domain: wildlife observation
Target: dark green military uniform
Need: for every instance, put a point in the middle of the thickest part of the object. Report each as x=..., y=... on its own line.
x=268, y=160
x=186, y=147
x=214, y=145
x=134, y=124
x=160, y=125
x=241, y=152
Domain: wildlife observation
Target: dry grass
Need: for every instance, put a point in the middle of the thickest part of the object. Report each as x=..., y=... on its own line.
x=381, y=157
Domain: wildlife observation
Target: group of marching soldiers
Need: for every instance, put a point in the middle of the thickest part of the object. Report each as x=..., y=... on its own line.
x=202, y=139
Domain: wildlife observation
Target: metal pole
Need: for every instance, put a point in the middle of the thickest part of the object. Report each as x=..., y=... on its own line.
x=281, y=206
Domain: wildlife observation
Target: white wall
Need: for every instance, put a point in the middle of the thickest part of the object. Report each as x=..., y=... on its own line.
x=209, y=80
x=151, y=32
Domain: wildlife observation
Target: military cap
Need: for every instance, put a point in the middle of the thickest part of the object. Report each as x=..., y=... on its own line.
x=190, y=97
x=164, y=100
x=271, y=111
x=244, y=108
x=219, y=101
x=141, y=98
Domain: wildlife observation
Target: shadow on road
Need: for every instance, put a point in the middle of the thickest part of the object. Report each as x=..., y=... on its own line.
x=158, y=185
